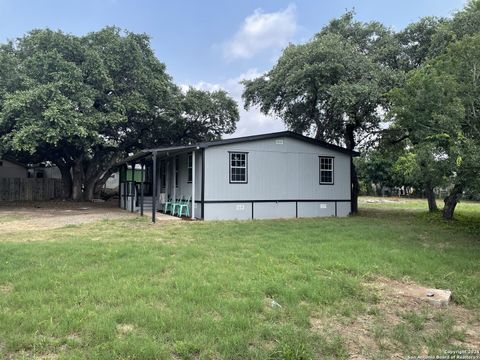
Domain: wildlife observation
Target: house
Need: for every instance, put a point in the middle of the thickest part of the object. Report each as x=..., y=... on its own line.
x=10, y=168
x=44, y=170
x=276, y=175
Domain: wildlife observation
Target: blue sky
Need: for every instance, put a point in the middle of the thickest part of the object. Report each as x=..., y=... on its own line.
x=213, y=44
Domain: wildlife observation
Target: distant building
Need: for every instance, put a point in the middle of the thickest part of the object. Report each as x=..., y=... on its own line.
x=12, y=169
x=44, y=170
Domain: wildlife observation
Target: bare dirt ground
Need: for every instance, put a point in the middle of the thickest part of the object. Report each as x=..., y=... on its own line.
x=401, y=323
x=54, y=214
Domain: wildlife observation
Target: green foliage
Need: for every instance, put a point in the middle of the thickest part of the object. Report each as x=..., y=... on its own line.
x=86, y=102
x=207, y=116
x=417, y=42
x=438, y=108
x=331, y=86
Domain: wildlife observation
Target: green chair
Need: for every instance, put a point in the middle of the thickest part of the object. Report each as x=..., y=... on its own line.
x=176, y=203
x=184, y=207
x=167, y=205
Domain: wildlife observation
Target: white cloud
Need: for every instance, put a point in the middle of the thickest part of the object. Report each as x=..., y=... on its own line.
x=252, y=121
x=262, y=31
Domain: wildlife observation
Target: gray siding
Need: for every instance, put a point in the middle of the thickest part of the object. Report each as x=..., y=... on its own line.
x=343, y=208
x=228, y=211
x=274, y=210
x=316, y=209
x=282, y=170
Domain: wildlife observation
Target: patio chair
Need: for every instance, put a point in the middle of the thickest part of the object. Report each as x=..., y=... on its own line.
x=176, y=203
x=167, y=205
x=184, y=208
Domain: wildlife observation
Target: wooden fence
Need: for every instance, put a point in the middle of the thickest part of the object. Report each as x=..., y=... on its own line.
x=19, y=189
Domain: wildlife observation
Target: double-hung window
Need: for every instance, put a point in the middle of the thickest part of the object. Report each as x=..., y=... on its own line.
x=238, y=167
x=326, y=170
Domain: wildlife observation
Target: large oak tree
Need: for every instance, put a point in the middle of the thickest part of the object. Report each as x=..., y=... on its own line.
x=86, y=102
x=333, y=86
x=439, y=109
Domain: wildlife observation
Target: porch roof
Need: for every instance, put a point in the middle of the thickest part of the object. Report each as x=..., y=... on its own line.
x=170, y=150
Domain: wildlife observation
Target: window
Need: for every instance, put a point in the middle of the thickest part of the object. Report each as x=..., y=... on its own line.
x=1, y=163
x=326, y=170
x=190, y=164
x=238, y=167
x=177, y=165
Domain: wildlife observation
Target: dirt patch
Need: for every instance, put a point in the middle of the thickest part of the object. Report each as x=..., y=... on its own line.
x=29, y=355
x=74, y=338
x=125, y=329
x=6, y=288
x=29, y=216
x=401, y=324
x=51, y=215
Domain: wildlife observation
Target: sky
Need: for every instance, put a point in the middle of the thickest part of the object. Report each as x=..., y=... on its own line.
x=214, y=44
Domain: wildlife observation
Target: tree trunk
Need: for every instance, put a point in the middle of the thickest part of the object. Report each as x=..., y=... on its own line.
x=103, y=179
x=451, y=202
x=89, y=192
x=66, y=180
x=94, y=179
x=350, y=142
x=77, y=186
x=430, y=194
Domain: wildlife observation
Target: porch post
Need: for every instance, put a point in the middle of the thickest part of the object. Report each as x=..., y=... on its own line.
x=141, y=187
x=154, y=190
x=167, y=178
x=174, y=179
x=120, y=187
x=193, y=184
x=125, y=183
x=133, y=188
x=160, y=183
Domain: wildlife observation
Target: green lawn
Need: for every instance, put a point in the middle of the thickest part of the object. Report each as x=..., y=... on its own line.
x=128, y=290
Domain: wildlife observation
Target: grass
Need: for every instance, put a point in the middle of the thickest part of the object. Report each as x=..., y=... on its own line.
x=128, y=290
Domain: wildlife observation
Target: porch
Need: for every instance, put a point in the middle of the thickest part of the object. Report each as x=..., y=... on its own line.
x=153, y=179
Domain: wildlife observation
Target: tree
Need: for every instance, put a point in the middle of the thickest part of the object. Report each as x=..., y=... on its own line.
x=464, y=23
x=84, y=103
x=206, y=116
x=439, y=109
x=416, y=41
x=333, y=86
x=375, y=168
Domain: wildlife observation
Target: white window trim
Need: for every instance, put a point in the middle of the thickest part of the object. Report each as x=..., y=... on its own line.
x=325, y=170
x=230, y=167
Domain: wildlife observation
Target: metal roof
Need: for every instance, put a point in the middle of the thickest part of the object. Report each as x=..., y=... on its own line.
x=204, y=145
